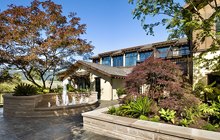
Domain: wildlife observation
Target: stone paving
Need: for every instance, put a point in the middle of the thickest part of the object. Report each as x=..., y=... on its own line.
x=53, y=128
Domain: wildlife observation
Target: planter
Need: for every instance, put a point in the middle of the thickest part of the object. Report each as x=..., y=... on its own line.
x=129, y=128
x=36, y=105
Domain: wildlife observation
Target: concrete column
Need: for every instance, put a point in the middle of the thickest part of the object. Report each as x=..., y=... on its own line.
x=138, y=57
x=101, y=61
x=124, y=60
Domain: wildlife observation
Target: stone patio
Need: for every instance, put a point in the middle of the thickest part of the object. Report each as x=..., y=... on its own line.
x=53, y=128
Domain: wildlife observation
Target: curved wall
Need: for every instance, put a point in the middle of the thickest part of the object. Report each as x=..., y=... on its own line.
x=36, y=105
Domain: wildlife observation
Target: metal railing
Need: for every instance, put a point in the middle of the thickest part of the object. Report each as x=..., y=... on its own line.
x=1, y=98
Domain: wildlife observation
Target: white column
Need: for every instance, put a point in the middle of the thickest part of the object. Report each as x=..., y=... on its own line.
x=100, y=60
x=138, y=57
x=124, y=60
x=112, y=61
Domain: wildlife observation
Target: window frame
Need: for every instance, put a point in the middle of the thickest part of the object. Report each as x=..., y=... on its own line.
x=130, y=55
x=145, y=55
x=162, y=52
x=106, y=62
x=118, y=61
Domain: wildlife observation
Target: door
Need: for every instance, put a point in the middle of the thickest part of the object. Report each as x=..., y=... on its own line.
x=98, y=87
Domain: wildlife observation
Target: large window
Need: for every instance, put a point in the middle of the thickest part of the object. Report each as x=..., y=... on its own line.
x=118, y=61
x=178, y=51
x=106, y=61
x=97, y=61
x=131, y=59
x=144, y=56
x=163, y=52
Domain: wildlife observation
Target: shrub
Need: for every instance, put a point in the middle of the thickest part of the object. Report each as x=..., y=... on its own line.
x=121, y=91
x=157, y=117
x=210, y=92
x=111, y=110
x=209, y=127
x=185, y=122
x=25, y=90
x=189, y=114
x=59, y=89
x=142, y=117
x=154, y=120
x=178, y=105
x=167, y=115
x=70, y=88
x=41, y=90
x=129, y=97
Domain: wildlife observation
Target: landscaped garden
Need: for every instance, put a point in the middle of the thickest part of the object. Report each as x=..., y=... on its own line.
x=168, y=97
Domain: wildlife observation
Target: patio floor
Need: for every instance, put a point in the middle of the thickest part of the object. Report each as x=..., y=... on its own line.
x=53, y=128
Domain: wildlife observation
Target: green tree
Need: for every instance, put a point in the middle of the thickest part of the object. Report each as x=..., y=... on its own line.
x=183, y=20
x=40, y=41
x=5, y=76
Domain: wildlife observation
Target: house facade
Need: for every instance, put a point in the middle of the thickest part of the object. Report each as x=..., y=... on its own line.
x=201, y=74
x=107, y=70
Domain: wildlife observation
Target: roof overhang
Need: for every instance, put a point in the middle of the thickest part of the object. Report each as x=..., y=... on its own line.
x=101, y=71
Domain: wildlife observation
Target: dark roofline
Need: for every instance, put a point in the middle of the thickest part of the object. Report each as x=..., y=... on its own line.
x=147, y=49
x=117, y=54
x=103, y=72
x=132, y=48
x=138, y=48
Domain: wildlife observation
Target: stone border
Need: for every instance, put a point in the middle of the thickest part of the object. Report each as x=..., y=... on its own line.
x=129, y=128
x=28, y=106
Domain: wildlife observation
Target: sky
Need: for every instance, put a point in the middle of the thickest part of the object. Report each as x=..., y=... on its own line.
x=110, y=24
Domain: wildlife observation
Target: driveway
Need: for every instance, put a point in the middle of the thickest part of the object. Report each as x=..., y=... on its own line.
x=53, y=128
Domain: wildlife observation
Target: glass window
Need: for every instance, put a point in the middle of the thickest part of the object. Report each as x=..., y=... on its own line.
x=144, y=56
x=131, y=59
x=118, y=61
x=106, y=61
x=181, y=51
x=163, y=51
x=96, y=61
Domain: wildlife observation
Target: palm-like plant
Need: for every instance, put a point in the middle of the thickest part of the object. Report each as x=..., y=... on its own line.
x=142, y=106
x=25, y=90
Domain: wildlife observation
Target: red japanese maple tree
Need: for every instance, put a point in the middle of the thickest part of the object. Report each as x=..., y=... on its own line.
x=163, y=79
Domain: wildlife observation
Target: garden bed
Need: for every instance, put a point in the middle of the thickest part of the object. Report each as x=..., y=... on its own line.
x=128, y=128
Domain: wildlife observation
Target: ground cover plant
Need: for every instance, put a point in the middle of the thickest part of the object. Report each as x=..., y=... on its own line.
x=167, y=98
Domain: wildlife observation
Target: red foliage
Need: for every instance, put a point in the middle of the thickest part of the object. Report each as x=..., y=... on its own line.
x=129, y=97
x=39, y=40
x=164, y=79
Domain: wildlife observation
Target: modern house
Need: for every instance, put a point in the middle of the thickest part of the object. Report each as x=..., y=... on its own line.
x=107, y=70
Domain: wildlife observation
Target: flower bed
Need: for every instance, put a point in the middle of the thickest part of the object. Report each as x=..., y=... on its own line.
x=129, y=128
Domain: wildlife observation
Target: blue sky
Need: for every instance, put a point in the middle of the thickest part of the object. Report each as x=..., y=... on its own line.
x=110, y=24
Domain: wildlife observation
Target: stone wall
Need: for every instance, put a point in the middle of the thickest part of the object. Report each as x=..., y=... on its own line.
x=35, y=106
x=132, y=129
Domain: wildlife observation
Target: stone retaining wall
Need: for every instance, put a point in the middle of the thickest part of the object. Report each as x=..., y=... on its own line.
x=132, y=129
x=34, y=106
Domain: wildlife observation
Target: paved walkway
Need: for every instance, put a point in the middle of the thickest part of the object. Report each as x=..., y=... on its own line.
x=54, y=128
